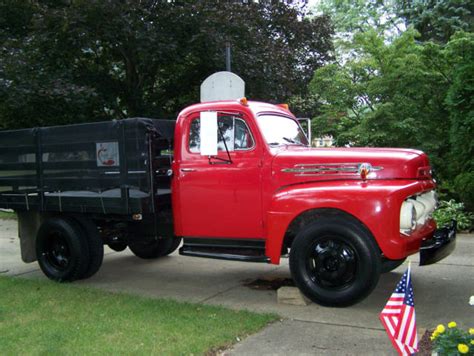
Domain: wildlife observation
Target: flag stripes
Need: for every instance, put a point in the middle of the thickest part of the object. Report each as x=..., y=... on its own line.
x=398, y=317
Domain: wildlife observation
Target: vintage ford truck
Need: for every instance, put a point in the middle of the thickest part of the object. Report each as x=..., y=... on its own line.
x=230, y=179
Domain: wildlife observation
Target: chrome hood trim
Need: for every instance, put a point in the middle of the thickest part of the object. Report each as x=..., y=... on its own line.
x=328, y=169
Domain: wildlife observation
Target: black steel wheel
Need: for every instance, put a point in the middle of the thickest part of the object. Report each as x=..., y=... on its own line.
x=61, y=250
x=390, y=265
x=335, y=262
x=154, y=248
x=332, y=262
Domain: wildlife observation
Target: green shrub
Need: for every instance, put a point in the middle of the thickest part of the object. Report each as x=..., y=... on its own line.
x=464, y=187
x=451, y=209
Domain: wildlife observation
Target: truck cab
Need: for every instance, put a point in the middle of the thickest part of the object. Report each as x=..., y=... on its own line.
x=345, y=214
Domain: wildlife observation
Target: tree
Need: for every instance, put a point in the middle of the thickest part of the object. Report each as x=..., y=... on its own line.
x=80, y=60
x=404, y=94
x=460, y=103
x=390, y=86
x=351, y=17
x=437, y=20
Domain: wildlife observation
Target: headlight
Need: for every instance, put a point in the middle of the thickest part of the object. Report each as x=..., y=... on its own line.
x=416, y=210
x=428, y=200
x=419, y=208
x=407, y=216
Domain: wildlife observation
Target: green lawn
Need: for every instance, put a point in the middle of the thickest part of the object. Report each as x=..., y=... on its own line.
x=7, y=215
x=43, y=317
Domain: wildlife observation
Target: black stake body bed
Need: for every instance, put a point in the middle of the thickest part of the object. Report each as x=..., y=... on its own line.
x=115, y=167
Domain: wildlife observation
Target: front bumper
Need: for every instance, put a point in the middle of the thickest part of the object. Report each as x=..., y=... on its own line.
x=439, y=246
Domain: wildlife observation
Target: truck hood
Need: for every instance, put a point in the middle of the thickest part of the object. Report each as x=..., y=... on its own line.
x=298, y=164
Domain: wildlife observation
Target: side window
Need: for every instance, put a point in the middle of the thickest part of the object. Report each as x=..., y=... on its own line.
x=232, y=129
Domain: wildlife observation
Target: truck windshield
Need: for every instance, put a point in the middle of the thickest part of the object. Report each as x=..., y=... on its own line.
x=281, y=130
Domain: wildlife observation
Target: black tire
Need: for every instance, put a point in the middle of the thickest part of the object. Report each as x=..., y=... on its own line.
x=390, y=265
x=155, y=249
x=174, y=245
x=61, y=250
x=95, y=243
x=335, y=262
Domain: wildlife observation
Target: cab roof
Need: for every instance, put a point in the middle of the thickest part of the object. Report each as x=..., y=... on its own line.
x=256, y=107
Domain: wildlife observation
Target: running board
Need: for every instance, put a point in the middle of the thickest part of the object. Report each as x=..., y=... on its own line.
x=225, y=249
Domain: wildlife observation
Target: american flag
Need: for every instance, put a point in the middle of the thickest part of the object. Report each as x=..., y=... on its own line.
x=398, y=317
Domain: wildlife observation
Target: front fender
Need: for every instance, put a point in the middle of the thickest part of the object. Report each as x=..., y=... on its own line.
x=375, y=203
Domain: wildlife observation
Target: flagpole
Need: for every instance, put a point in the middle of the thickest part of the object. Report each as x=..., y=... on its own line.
x=409, y=273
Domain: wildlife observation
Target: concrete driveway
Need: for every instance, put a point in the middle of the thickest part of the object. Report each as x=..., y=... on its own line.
x=442, y=293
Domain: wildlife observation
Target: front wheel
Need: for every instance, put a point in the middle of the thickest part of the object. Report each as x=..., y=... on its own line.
x=335, y=262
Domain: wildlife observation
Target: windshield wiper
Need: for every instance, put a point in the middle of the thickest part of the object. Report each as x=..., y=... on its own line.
x=290, y=140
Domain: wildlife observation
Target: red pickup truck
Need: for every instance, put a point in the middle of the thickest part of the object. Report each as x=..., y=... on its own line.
x=237, y=180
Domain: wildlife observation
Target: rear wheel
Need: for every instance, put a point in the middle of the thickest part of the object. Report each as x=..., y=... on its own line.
x=61, y=250
x=95, y=243
x=335, y=262
x=155, y=248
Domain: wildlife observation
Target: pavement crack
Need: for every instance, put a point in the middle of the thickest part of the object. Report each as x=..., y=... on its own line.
x=337, y=324
x=453, y=264
x=218, y=293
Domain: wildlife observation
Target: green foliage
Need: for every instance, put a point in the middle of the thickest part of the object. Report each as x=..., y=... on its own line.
x=459, y=55
x=449, y=210
x=73, y=61
x=402, y=94
x=453, y=340
x=464, y=187
x=360, y=16
x=437, y=20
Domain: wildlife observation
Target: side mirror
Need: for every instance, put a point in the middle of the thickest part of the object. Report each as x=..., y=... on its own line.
x=306, y=126
x=208, y=133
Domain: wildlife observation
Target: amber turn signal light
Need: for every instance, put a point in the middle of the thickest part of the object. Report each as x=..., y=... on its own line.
x=244, y=101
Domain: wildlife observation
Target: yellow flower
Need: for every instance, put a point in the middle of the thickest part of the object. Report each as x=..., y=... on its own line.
x=452, y=325
x=440, y=328
x=471, y=331
x=472, y=342
x=463, y=348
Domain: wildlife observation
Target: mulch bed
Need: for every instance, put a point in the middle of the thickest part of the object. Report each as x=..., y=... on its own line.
x=424, y=345
x=269, y=284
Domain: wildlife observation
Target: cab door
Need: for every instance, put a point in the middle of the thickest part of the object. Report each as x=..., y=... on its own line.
x=220, y=196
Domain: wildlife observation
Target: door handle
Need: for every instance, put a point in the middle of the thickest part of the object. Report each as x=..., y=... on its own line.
x=188, y=170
